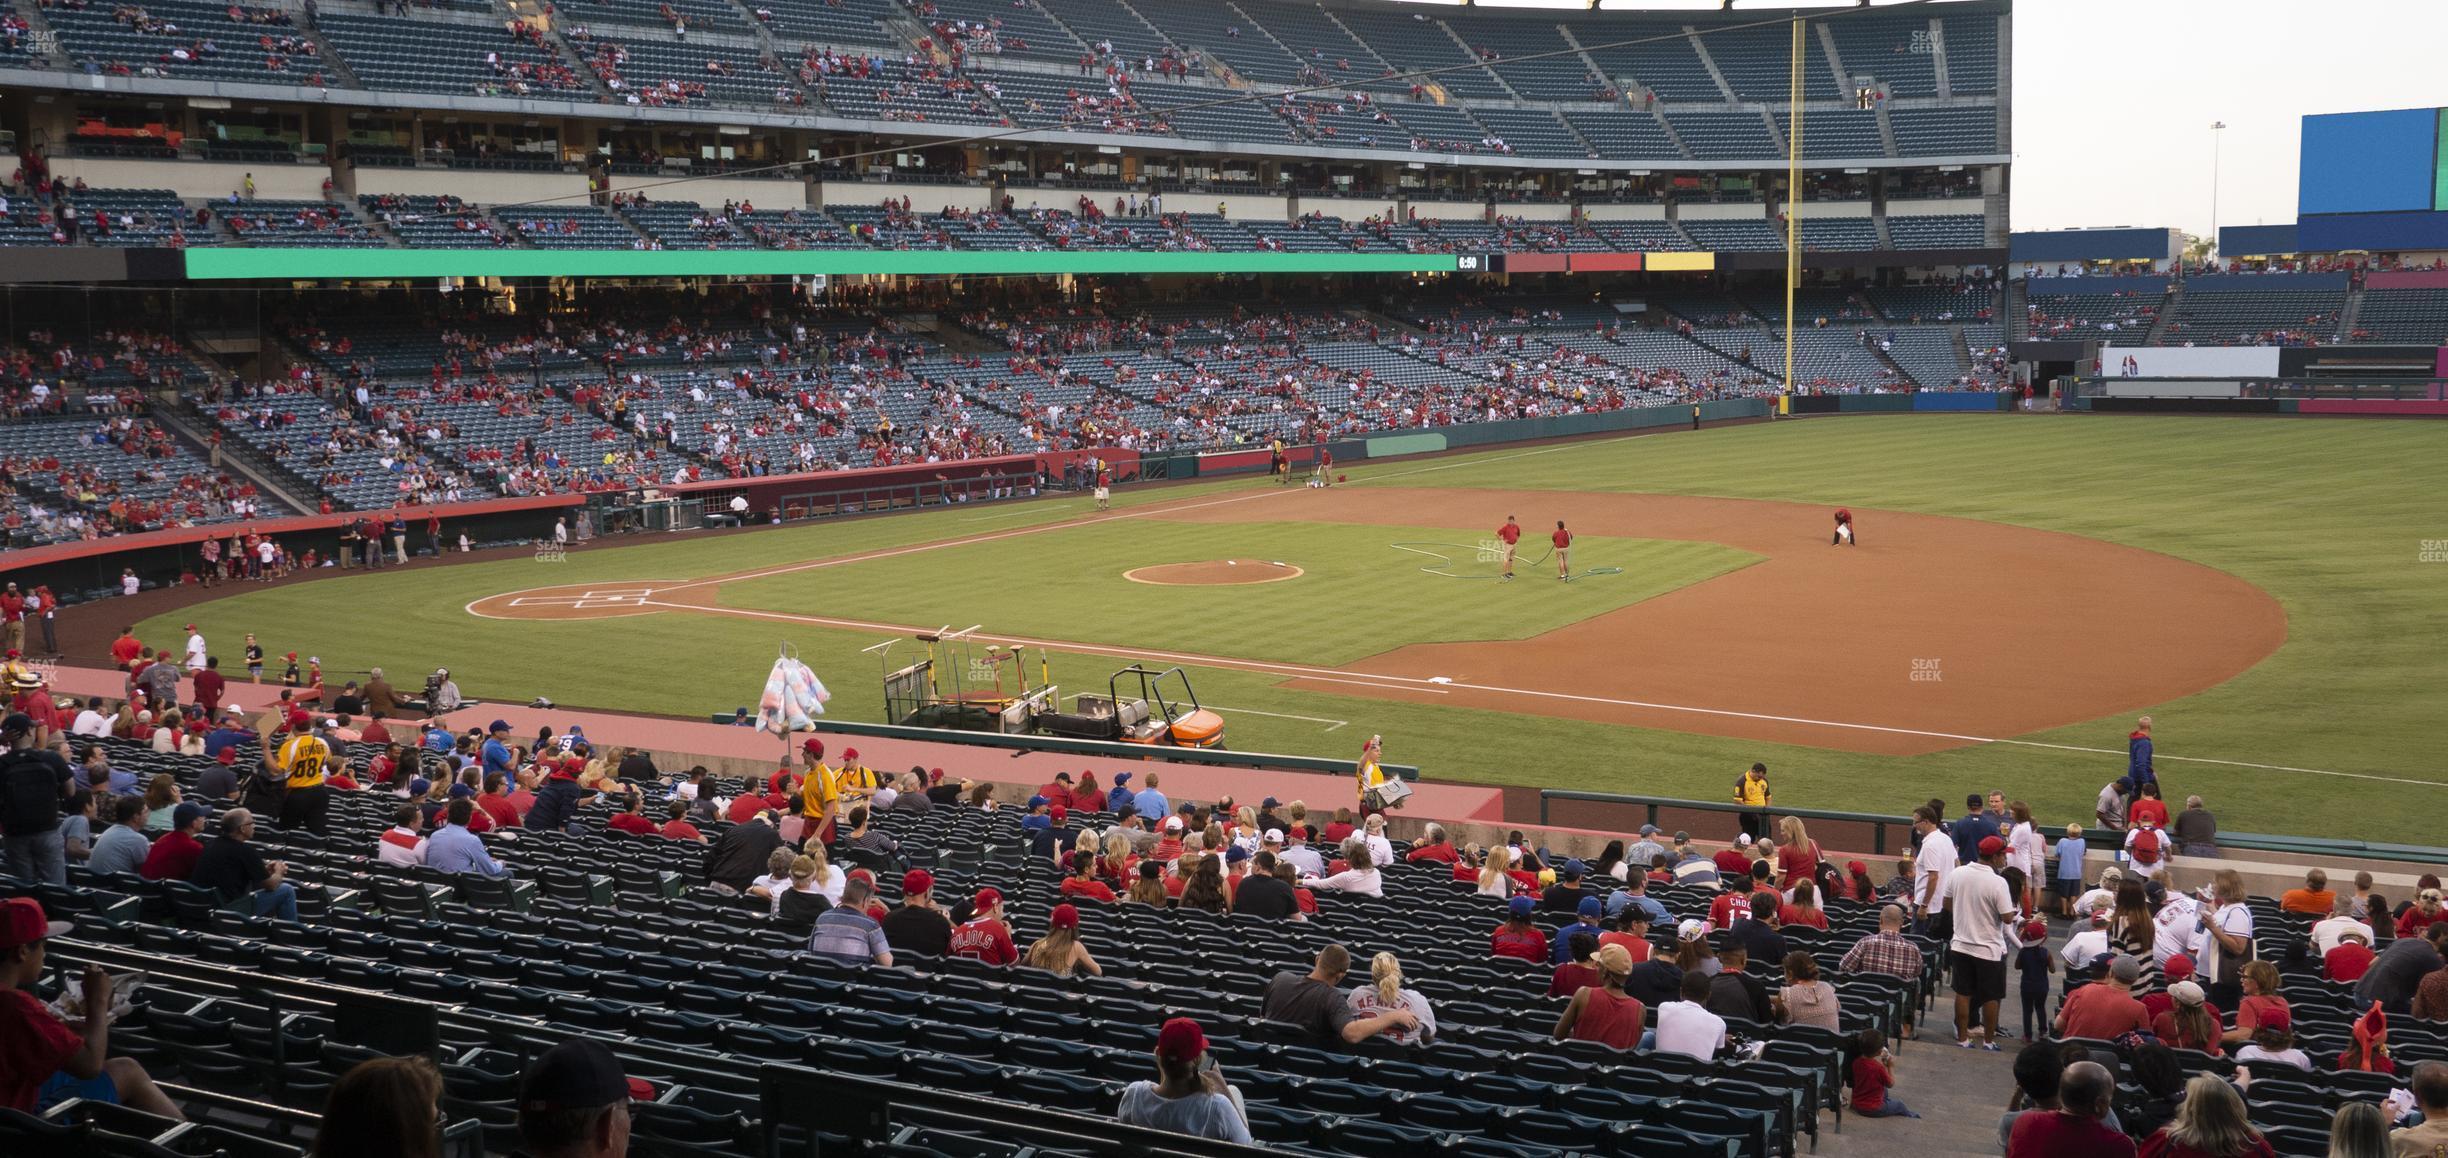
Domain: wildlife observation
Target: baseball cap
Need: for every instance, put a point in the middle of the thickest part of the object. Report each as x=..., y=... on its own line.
x=578, y=1074
x=1063, y=917
x=186, y=814
x=1236, y=854
x=1273, y=835
x=917, y=881
x=229, y=755
x=1181, y=1041
x=1061, y=814
x=1523, y=906
x=1614, y=958
x=814, y=748
x=1992, y=846
x=986, y=898
x=17, y=723
x=22, y=923
x=2178, y=967
x=417, y=786
x=849, y=753
x=2125, y=969
x=462, y=788
x=1574, y=868
x=1649, y=830
x=1692, y=929
x=1036, y=802
x=191, y=627
x=1173, y=824
x=1745, y=838
x=1269, y=802
x=1591, y=907
x=1856, y=868
x=2035, y=930
x=2277, y=1017
x=2187, y=993
x=498, y=726
x=1120, y=779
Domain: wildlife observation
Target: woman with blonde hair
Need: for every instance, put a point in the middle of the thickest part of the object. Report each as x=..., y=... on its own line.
x=1494, y=875
x=1385, y=993
x=2210, y=1123
x=1114, y=861
x=2360, y=1130
x=1059, y=952
x=830, y=879
x=1797, y=855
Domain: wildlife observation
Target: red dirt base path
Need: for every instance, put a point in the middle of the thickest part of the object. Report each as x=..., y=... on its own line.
x=1929, y=634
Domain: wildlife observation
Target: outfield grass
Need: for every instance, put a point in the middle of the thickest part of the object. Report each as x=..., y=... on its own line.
x=2327, y=515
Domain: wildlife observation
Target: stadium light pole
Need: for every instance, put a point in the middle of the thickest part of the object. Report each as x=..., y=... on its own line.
x=2217, y=135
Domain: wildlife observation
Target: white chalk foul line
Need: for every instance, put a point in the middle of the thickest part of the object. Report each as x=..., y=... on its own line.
x=1331, y=725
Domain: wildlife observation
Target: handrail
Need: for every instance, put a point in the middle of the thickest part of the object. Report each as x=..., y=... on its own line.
x=1109, y=748
x=1879, y=823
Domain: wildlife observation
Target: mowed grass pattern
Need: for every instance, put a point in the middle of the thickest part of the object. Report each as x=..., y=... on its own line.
x=1356, y=597
x=2328, y=515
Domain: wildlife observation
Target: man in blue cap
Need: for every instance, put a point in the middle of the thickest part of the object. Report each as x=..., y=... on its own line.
x=1566, y=894
x=1121, y=793
x=496, y=750
x=1585, y=921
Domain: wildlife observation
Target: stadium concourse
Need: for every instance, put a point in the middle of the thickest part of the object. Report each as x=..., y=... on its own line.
x=403, y=923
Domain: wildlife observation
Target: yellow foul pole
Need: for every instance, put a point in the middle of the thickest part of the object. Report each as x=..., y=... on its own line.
x=1793, y=196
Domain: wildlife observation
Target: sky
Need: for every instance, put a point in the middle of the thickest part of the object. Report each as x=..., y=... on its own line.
x=2113, y=101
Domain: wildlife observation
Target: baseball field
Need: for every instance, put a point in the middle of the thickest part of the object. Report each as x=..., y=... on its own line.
x=2023, y=586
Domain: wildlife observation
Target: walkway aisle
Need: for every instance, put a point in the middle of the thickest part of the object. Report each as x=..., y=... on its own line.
x=1959, y=1094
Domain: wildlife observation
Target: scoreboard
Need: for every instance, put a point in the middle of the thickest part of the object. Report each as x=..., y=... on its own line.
x=2373, y=162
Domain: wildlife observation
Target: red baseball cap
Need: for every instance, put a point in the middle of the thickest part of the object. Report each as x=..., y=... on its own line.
x=2276, y=1017
x=814, y=748
x=1063, y=917
x=1061, y=814
x=22, y=923
x=1181, y=1040
x=1992, y=846
x=2178, y=968
x=986, y=898
x=917, y=881
x=849, y=753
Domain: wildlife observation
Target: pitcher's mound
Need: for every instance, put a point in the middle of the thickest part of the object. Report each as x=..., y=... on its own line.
x=1215, y=573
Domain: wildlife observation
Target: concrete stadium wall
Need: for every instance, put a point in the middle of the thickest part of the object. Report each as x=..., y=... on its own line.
x=1812, y=209
x=290, y=182
x=1737, y=211
x=762, y=193
x=1624, y=212
x=1459, y=210
x=929, y=198
x=1238, y=206
x=1935, y=207
x=476, y=187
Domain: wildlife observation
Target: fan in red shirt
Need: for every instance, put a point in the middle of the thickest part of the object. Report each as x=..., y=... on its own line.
x=1433, y=845
x=1517, y=937
x=747, y=804
x=1083, y=884
x=678, y=827
x=1510, y=535
x=632, y=817
x=985, y=937
x=1563, y=550
x=126, y=649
